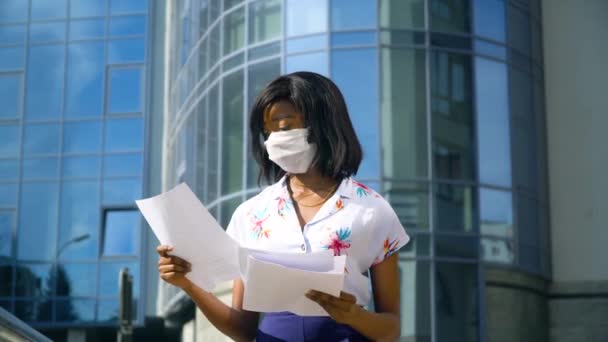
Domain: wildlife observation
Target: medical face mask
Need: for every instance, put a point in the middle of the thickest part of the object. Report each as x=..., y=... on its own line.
x=291, y=150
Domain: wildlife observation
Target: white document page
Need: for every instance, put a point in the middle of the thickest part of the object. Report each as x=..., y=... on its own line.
x=270, y=287
x=179, y=219
x=316, y=261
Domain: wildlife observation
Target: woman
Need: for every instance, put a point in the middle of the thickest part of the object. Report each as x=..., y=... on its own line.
x=304, y=142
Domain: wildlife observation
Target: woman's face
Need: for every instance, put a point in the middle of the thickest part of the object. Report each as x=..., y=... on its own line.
x=282, y=116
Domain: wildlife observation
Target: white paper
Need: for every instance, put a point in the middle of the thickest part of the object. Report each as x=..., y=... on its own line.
x=316, y=261
x=270, y=287
x=179, y=219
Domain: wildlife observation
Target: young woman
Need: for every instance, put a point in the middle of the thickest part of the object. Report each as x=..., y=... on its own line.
x=304, y=142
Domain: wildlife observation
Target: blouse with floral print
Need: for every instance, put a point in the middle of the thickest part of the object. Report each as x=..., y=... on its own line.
x=356, y=222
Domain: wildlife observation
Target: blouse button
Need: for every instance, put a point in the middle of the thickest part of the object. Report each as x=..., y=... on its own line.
x=303, y=247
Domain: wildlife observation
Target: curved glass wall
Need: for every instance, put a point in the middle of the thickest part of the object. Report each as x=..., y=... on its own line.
x=446, y=97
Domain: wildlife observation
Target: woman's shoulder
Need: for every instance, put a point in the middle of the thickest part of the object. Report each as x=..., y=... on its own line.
x=259, y=199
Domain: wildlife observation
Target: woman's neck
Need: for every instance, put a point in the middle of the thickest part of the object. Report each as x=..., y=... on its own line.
x=311, y=180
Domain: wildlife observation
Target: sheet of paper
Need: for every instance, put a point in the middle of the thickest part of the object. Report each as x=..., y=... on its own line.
x=179, y=219
x=270, y=287
x=316, y=261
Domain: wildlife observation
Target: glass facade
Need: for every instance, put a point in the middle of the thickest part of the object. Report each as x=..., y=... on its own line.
x=447, y=100
x=72, y=83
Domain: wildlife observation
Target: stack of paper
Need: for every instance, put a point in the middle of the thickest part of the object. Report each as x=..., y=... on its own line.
x=273, y=281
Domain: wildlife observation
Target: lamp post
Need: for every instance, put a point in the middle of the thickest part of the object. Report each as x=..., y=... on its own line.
x=71, y=241
x=125, y=311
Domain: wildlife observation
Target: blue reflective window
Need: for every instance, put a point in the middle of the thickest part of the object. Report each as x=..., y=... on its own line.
x=307, y=43
x=124, y=135
x=402, y=14
x=107, y=311
x=121, y=191
x=41, y=168
x=353, y=38
x=497, y=250
x=7, y=225
x=450, y=16
x=353, y=14
x=483, y=47
x=39, y=310
x=125, y=90
x=41, y=139
x=87, y=8
x=496, y=213
x=264, y=20
x=75, y=310
x=121, y=233
x=34, y=280
x=81, y=280
x=48, y=10
x=317, y=62
x=9, y=169
x=37, y=233
x=234, y=31
x=47, y=32
x=128, y=25
x=13, y=11
x=305, y=17
x=109, y=273
x=79, y=220
x=81, y=137
x=12, y=58
x=8, y=194
x=231, y=3
x=86, y=70
x=12, y=34
x=360, y=91
x=81, y=167
x=128, y=6
x=87, y=29
x=9, y=140
x=493, y=122
x=123, y=165
x=126, y=50
x=46, y=69
x=10, y=95
x=264, y=51
x=490, y=19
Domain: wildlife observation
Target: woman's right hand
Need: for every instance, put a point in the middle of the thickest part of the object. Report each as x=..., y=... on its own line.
x=173, y=269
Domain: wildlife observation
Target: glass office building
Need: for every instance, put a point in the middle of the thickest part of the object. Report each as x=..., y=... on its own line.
x=446, y=97
x=72, y=132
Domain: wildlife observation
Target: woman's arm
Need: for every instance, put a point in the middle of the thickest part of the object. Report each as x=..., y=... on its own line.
x=382, y=325
x=233, y=321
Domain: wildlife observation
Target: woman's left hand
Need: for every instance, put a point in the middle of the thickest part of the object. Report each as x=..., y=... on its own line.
x=343, y=309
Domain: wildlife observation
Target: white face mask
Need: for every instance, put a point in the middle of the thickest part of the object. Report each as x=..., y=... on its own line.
x=291, y=150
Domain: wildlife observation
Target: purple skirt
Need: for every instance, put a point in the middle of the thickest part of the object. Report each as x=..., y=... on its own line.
x=285, y=326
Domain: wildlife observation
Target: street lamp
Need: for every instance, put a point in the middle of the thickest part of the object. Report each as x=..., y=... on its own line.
x=71, y=241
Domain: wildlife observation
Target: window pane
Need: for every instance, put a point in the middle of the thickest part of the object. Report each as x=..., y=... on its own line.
x=415, y=300
x=483, y=47
x=497, y=250
x=107, y=311
x=343, y=39
x=490, y=19
x=449, y=16
x=234, y=31
x=231, y=3
x=456, y=302
x=360, y=90
x=9, y=140
x=455, y=208
x=316, y=62
x=47, y=32
x=77, y=280
x=496, y=211
x=493, y=134
x=86, y=70
x=81, y=137
x=232, y=142
x=264, y=20
x=411, y=203
x=302, y=44
x=7, y=226
x=12, y=34
x=404, y=123
x=124, y=135
x=125, y=90
x=81, y=167
x=34, y=310
x=75, y=310
x=9, y=168
x=41, y=139
x=86, y=29
x=12, y=58
x=87, y=8
x=228, y=208
x=353, y=14
x=117, y=165
x=452, y=110
x=519, y=30
x=13, y=10
x=37, y=233
x=10, y=95
x=214, y=46
x=121, y=233
x=8, y=194
x=264, y=51
x=109, y=273
x=7, y=285
x=47, y=10
x=402, y=14
x=46, y=69
x=528, y=224
x=128, y=6
x=128, y=25
x=121, y=191
x=212, y=143
x=34, y=280
x=38, y=168
x=126, y=50
x=79, y=220
x=304, y=17
x=456, y=246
